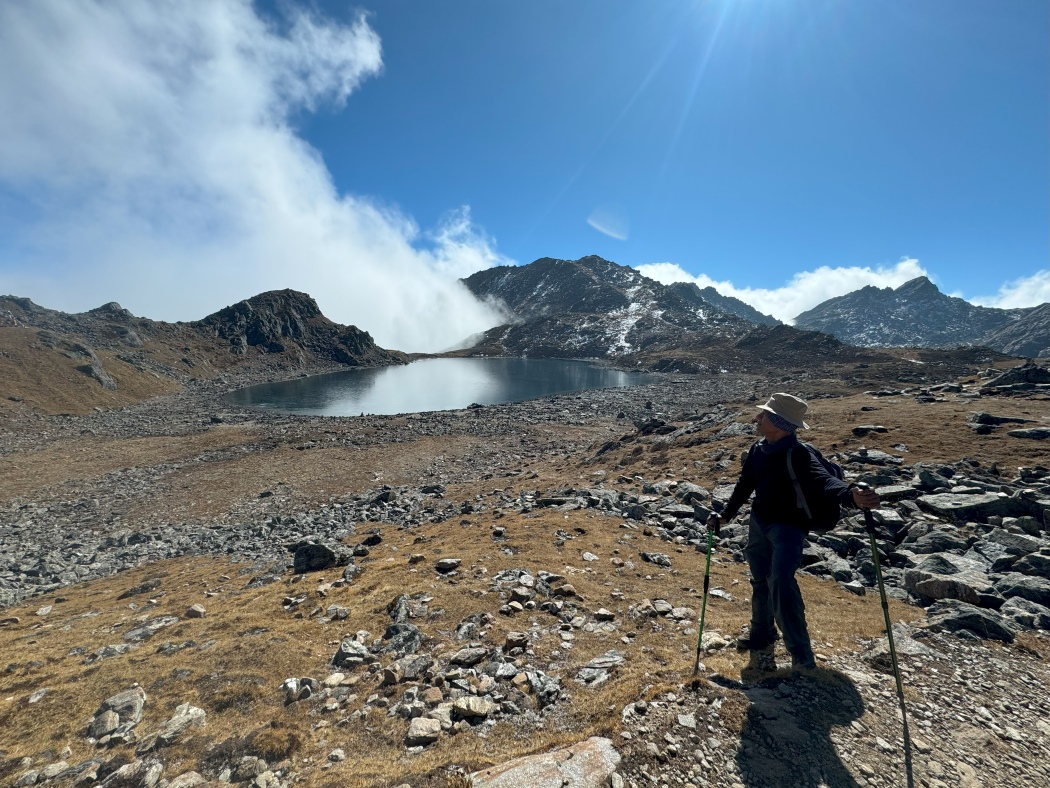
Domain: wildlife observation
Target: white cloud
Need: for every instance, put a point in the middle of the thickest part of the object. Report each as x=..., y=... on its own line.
x=1026, y=291
x=461, y=249
x=804, y=291
x=610, y=221
x=149, y=157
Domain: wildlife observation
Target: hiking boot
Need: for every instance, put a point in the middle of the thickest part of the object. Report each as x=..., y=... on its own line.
x=762, y=660
x=803, y=663
x=749, y=643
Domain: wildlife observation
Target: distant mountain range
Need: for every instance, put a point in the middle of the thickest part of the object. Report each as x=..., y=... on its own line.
x=917, y=314
x=595, y=308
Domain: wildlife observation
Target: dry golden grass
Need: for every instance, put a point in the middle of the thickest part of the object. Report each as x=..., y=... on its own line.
x=48, y=380
x=258, y=645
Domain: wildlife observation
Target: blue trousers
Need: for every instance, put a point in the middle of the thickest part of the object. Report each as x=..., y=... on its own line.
x=774, y=554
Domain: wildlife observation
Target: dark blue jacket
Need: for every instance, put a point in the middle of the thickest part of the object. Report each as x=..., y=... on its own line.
x=765, y=474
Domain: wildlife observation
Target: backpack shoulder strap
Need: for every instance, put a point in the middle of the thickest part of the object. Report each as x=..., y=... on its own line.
x=800, y=498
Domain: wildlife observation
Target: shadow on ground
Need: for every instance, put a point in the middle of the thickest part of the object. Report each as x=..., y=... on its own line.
x=786, y=739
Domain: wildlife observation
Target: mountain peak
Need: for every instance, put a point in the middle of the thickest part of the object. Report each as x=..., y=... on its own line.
x=920, y=286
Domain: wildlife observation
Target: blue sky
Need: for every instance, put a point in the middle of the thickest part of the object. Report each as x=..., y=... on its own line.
x=189, y=155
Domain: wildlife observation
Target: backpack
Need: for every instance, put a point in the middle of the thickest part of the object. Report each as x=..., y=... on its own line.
x=823, y=513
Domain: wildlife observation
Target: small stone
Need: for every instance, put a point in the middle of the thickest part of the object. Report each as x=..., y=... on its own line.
x=195, y=611
x=337, y=755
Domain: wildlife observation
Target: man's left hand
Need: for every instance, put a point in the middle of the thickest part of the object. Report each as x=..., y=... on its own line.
x=865, y=499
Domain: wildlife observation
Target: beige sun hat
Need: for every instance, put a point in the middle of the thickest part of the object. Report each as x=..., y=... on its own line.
x=788, y=407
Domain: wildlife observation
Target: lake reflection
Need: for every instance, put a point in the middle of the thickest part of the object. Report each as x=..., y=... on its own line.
x=432, y=384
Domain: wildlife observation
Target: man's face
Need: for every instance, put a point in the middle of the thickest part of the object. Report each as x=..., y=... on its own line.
x=765, y=428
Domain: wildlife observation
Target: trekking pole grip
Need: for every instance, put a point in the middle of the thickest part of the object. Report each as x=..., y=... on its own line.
x=869, y=518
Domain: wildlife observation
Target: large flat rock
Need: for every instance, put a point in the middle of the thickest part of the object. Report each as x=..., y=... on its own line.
x=976, y=507
x=584, y=765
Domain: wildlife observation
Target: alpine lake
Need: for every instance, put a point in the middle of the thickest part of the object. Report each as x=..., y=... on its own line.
x=432, y=384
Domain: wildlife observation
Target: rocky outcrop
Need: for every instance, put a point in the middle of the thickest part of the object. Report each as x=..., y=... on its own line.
x=1028, y=336
x=282, y=320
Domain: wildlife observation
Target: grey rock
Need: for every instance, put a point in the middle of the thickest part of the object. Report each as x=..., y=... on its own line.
x=469, y=656
x=937, y=542
x=312, y=558
x=837, y=568
x=52, y=770
x=1034, y=589
x=952, y=616
x=1015, y=544
x=422, y=731
x=127, y=705
x=660, y=559
x=976, y=508
x=186, y=716
x=139, y=773
x=351, y=653
x=106, y=721
x=446, y=565
x=948, y=576
x=402, y=639
x=472, y=707
x=873, y=457
x=187, y=780
x=148, y=629
x=588, y=764
x=1035, y=564
x=1032, y=433
x=690, y=493
x=1026, y=614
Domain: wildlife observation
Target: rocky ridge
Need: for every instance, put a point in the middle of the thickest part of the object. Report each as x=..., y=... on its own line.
x=593, y=308
x=918, y=314
x=273, y=332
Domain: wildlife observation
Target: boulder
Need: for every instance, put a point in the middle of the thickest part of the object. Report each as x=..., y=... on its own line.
x=588, y=764
x=1034, y=589
x=1035, y=564
x=469, y=656
x=312, y=558
x=473, y=707
x=660, y=559
x=422, y=731
x=1015, y=544
x=834, y=567
x=1026, y=614
x=972, y=507
x=351, y=653
x=687, y=492
x=1031, y=433
x=186, y=716
x=937, y=542
x=951, y=615
x=948, y=576
x=126, y=705
x=148, y=629
x=103, y=723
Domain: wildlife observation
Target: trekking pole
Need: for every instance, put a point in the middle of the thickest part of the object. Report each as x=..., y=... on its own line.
x=869, y=526
x=703, y=605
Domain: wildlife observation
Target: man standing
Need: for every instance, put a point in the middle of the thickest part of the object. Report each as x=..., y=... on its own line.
x=779, y=524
